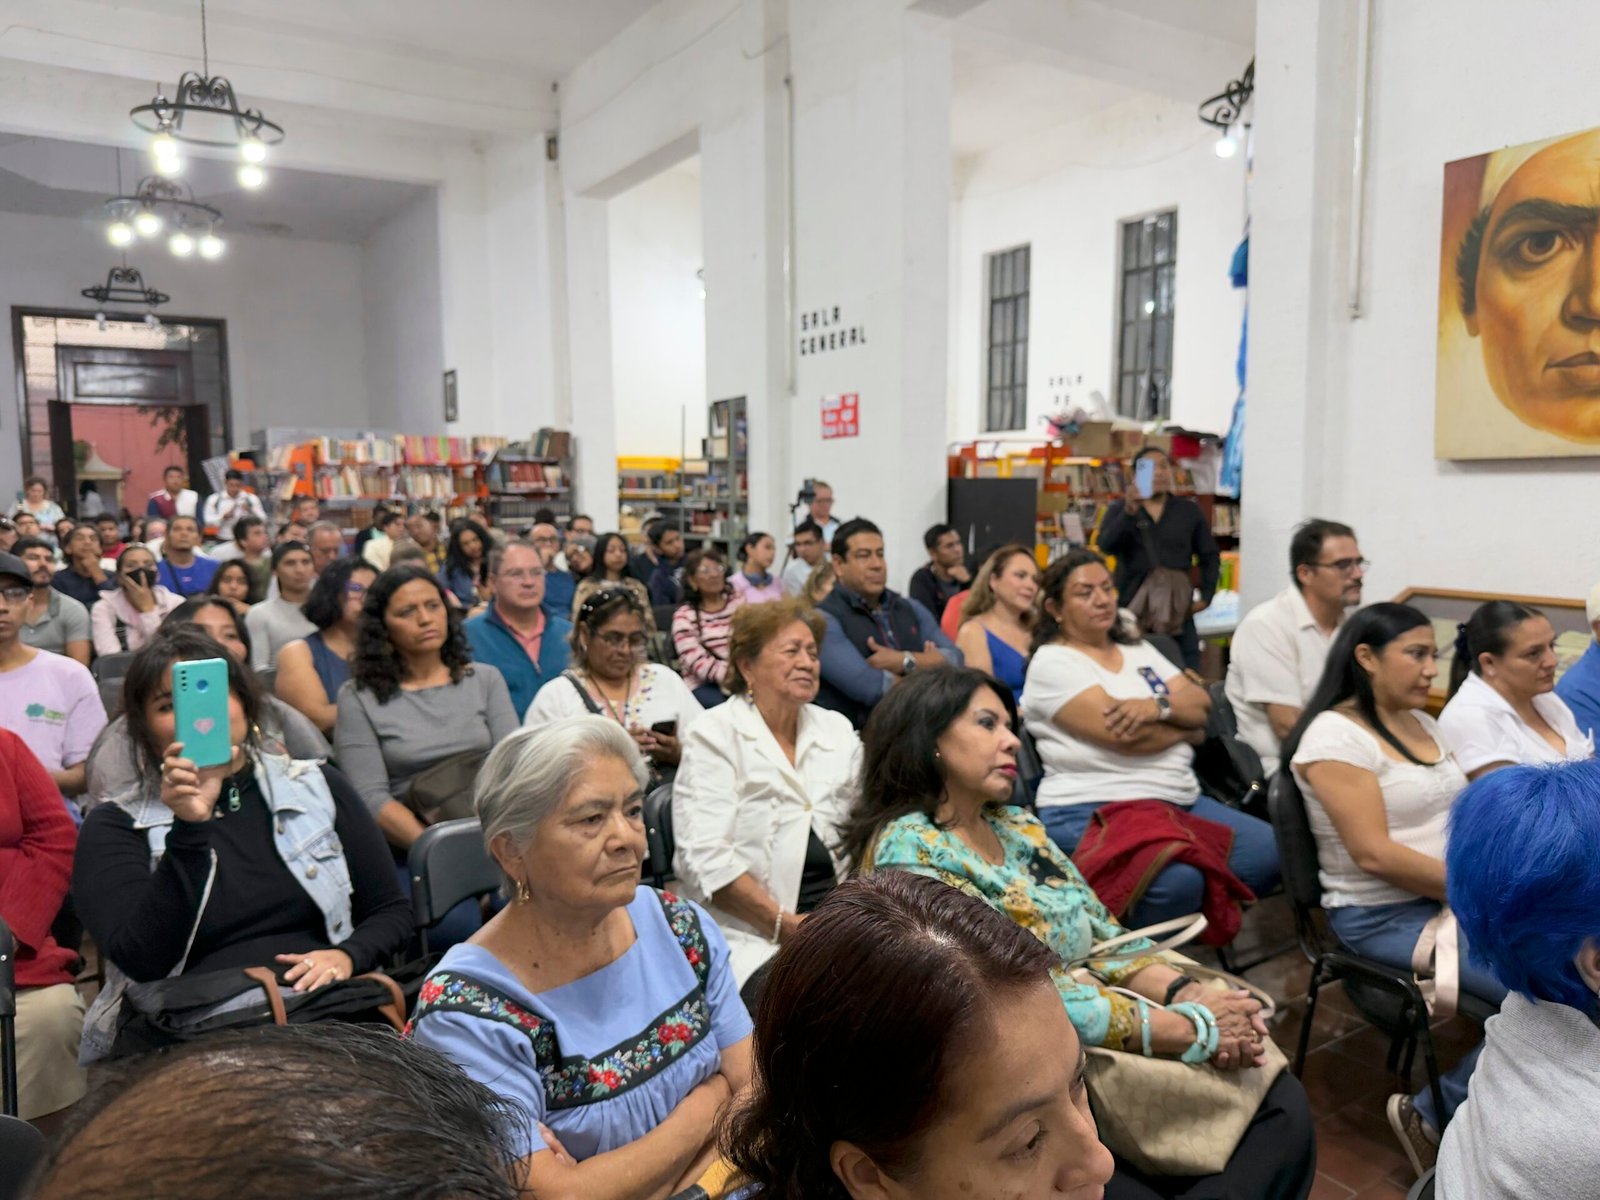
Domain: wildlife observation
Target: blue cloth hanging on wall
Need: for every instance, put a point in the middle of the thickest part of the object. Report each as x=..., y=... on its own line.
x=1232, y=472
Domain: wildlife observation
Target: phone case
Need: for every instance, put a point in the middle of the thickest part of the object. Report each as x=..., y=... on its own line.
x=1144, y=477
x=200, y=706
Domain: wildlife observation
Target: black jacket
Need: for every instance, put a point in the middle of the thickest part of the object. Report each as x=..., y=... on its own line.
x=1181, y=536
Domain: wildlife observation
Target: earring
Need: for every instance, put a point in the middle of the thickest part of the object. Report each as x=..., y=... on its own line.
x=523, y=892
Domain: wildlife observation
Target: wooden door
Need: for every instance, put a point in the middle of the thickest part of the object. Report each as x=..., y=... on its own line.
x=146, y=378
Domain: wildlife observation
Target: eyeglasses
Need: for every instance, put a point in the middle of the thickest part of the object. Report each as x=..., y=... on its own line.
x=545, y=540
x=355, y=589
x=521, y=573
x=13, y=593
x=1346, y=566
x=616, y=640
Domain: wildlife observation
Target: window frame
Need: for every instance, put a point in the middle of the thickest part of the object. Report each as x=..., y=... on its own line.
x=1143, y=341
x=1007, y=320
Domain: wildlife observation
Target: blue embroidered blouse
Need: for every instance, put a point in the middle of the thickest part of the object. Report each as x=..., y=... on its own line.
x=604, y=1059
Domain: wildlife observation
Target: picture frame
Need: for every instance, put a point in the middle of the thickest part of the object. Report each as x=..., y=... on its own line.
x=452, y=411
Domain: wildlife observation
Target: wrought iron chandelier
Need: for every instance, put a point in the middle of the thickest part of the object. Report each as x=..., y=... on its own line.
x=124, y=285
x=206, y=112
x=162, y=205
x=1225, y=110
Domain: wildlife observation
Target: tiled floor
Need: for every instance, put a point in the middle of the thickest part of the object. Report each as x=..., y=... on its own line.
x=1345, y=1075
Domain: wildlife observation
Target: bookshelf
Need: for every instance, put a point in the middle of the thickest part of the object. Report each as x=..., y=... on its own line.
x=520, y=478
x=705, y=498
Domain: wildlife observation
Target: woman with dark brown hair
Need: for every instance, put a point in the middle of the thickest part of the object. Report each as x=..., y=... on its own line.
x=909, y=1043
x=703, y=623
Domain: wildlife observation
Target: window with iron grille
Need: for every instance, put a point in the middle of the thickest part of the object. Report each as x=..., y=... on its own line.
x=1146, y=312
x=1006, y=379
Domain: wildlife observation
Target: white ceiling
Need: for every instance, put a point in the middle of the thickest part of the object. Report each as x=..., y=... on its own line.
x=48, y=177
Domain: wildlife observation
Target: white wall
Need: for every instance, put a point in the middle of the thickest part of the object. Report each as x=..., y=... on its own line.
x=403, y=324
x=1144, y=155
x=294, y=311
x=1341, y=414
x=658, y=316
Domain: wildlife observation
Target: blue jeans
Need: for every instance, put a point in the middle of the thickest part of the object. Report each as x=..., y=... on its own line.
x=1388, y=933
x=1180, y=888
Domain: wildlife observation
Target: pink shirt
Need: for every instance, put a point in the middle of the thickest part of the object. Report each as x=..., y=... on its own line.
x=753, y=593
x=53, y=705
x=530, y=642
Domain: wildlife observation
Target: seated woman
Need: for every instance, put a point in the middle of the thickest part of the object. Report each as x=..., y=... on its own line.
x=1525, y=886
x=128, y=617
x=1503, y=707
x=937, y=775
x=765, y=781
x=263, y=862
x=608, y=569
x=313, y=669
x=996, y=633
x=234, y=583
x=1117, y=723
x=701, y=625
x=899, y=978
x=414, y=697
x=465, y=573
x=754, y=581
x=36, y=841
x=610, y=677
x=1378, y=782
x=607, y=1010
x=112, y=769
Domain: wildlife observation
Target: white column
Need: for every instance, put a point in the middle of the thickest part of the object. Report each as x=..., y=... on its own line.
x=593, y=421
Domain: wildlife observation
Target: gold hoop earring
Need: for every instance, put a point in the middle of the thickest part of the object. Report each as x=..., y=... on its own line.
x=523, y=893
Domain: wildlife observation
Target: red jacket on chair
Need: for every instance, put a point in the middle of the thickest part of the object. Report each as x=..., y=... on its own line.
x=1126, y=845
x=37, y=838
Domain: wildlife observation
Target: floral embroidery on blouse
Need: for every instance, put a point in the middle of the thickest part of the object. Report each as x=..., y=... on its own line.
x=570, y=1082
x=1040, y=889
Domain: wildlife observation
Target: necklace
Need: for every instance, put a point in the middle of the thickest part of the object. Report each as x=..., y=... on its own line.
x=617, y=715
x=230, y=796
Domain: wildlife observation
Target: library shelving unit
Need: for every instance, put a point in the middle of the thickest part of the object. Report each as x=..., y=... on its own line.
x=520, y=478
x=707, y=498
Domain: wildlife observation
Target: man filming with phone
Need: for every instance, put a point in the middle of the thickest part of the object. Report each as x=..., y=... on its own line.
x=1156, y=535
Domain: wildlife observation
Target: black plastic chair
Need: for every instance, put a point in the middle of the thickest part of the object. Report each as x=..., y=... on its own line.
x=1167, y=646
x=658, y=835
x=1228, y=767
x=1386, y=996
x=448, y=864
x=110, y=668
x=1423, y=1188
x=1030, y=769
x=22, y=1149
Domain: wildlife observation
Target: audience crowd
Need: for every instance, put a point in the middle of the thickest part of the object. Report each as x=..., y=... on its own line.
x=900, y=831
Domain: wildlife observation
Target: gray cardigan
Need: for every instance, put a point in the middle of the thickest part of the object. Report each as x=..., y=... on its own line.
x=1528, y=1126
x=382, y=747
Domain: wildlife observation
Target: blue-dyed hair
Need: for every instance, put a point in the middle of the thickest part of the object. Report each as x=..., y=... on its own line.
x=1523, y=872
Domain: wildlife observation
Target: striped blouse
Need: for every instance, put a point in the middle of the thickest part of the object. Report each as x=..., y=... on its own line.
x=701, y=639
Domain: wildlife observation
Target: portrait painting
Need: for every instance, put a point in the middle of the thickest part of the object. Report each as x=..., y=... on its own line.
x=1519, y=303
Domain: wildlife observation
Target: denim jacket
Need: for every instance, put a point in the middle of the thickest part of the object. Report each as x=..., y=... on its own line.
x=303, y=823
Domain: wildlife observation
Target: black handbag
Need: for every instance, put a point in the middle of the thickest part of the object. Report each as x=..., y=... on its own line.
x=443, y=792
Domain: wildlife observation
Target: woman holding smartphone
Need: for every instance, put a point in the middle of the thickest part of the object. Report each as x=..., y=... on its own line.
x=259, y=861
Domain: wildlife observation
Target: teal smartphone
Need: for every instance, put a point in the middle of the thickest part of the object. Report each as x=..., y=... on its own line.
x=200, y=706
x=1144, y=476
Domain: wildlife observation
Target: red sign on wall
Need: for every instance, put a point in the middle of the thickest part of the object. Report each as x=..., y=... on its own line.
x=841, y=416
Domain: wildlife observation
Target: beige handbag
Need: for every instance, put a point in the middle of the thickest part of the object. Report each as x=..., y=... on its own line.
x=1162, y=1116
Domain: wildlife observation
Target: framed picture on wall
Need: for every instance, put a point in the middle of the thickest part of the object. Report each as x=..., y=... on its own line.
x=1518, y=374
x=451, y=410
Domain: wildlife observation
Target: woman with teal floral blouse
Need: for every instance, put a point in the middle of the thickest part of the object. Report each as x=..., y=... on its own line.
x=938, y=773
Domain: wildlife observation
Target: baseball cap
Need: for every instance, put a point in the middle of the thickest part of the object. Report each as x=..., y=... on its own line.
x=10, y=564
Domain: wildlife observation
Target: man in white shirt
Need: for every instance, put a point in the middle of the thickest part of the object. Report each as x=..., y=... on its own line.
x=174, y=498
x=223, y=508
x=1281, y=646
x=809, y=551
x=821, y=511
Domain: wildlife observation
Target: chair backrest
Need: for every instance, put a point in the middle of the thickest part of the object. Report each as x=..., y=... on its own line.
x=1297, y=854
x=1223, y=719
x=111, y=667
x=267, y=677
x=1423, y=1188
x=658, y=834
x=1167, y=646
x=22, y=1149
x=112, y=697
x=448, y=864
x=1030, y=768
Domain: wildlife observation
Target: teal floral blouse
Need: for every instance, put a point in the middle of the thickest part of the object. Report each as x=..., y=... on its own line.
x=1039, y=889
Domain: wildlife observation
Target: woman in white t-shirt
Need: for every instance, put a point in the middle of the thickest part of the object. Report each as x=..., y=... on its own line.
x=1378, y=781
x=1114, y=721
x=1503, y=707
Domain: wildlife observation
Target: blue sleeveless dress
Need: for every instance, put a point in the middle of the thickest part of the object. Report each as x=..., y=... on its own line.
x=1010, y=665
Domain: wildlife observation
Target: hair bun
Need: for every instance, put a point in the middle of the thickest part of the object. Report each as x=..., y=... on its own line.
x=1462, y=650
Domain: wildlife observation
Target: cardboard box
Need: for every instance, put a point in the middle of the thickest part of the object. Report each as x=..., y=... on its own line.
x=1093, y=440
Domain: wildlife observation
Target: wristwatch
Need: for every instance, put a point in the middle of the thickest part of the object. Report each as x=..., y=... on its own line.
x=1163, y=709
x=908, y=664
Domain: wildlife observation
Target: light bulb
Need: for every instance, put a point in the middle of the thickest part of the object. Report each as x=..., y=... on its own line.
x=251, y=176
x=211, y=246
x=147, y=223
x=164, y=145
x=1226, y=146
x=169, y=166
x=100, y=321
x=253, y=150
x=120, y=233
x=152, y=321
x=181, y=244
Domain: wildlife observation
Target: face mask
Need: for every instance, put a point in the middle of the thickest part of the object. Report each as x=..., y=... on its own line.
x=144, y=575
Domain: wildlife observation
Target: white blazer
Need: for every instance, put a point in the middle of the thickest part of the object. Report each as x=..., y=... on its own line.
x=739, y=806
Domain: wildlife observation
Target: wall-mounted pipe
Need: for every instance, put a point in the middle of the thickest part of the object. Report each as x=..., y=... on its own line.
x=1358, y=158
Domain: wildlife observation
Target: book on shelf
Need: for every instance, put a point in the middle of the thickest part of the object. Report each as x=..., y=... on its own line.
x=513, y=476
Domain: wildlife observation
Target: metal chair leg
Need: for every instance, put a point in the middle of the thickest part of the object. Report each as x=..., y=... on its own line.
x=1311, y=1015
x=1431, y=1061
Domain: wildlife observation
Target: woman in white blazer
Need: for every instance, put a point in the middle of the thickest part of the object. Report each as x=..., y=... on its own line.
x=764, y=783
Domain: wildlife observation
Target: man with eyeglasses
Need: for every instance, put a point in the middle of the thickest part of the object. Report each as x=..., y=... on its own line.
x=559, y=585
x=1281, y=646
x=517, y=634
x=48, y=700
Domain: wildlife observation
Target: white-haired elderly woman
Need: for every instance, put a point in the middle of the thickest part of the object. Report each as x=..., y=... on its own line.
x=607, y=1010
x=1523, y=872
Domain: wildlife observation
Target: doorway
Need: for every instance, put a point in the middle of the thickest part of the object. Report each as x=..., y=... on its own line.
x=119, y=392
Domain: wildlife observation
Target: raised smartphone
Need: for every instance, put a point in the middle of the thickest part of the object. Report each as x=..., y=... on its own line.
x=1144, y=476
x=200, y=707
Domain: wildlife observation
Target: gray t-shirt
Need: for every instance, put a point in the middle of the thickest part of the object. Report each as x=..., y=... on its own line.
x=382, y=747
x=273, y=624
x=66, y=620
x=1528, y=1126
